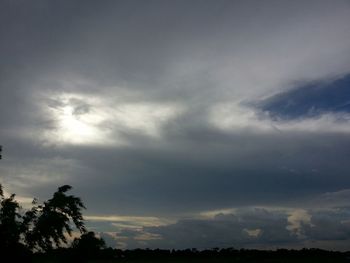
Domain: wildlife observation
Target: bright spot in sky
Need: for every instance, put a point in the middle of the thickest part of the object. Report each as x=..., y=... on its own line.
x=78, y=129
x=78, y=121
x=82, y=119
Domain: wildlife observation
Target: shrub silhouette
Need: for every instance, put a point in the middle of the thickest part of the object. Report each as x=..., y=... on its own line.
x=88, y=242
x=88, y=246
x=43, y=227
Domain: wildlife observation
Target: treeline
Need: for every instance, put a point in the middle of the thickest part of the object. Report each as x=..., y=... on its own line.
x=192, y=255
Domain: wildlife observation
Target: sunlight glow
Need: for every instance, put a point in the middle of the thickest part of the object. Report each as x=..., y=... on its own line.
x=82, y=119
x=77, y=128
x=78, y=121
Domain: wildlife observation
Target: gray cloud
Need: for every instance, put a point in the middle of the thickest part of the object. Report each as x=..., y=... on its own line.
x=247, y=228
x=224, y=230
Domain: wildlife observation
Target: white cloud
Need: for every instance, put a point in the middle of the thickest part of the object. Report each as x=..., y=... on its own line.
x=253, y=232
x=296, y=220
x=234, y=117
x=129, y=221
x=93, y=120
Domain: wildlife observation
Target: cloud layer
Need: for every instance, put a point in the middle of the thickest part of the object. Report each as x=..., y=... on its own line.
x=167, y=110
x=248, y=228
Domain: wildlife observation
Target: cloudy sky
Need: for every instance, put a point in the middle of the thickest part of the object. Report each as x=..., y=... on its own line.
x=182, y=123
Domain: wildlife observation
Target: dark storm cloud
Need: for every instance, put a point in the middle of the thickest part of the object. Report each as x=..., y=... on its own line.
x=192, y=175
x=246, y=228
x=145, y=107
x=223, y=230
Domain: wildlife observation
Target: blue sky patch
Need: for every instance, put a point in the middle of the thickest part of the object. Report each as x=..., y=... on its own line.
x=310, y=100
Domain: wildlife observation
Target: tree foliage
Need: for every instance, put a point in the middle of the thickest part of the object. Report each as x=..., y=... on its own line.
x=10, y=226
x=44, y=226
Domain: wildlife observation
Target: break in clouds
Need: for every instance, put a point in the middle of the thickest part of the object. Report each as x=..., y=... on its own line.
x=225, y=122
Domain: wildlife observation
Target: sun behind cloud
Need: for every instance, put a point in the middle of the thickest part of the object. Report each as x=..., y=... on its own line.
x=81, y=119
x=78, y=121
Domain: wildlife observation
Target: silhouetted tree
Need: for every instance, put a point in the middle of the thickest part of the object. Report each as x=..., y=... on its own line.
x=51, y=220
x=44, y=226
x=10, y=229
x=9, y=221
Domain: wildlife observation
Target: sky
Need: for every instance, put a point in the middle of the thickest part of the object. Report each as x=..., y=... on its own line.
x=183, y=123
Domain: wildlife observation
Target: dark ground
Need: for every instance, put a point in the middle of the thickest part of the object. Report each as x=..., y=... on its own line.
x=195, y=256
